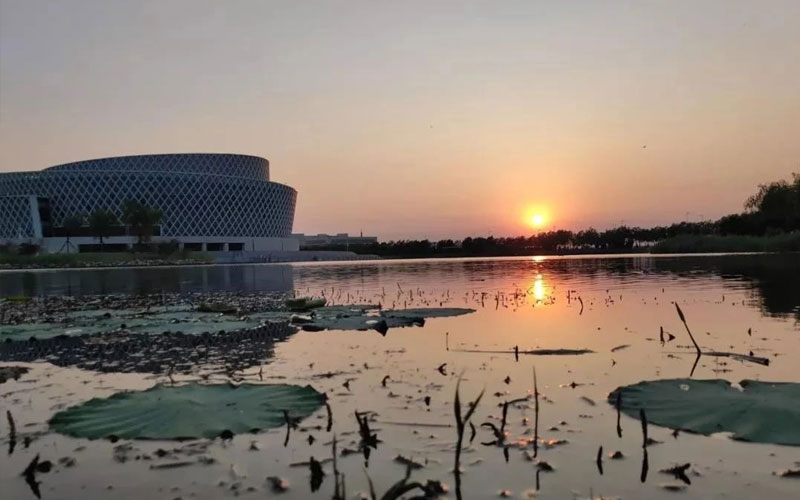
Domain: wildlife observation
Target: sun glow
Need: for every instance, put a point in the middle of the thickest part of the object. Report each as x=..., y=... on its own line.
x=536, y=218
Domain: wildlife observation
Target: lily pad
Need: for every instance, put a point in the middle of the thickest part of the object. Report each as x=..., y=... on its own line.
x=189, y=411
x=359, y=318
x=426, y=312
x=763, y=412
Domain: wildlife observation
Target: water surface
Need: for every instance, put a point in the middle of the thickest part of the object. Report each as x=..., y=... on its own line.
x=526, y=302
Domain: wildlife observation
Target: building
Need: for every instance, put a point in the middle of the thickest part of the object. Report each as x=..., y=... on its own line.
x=210, y=202
x=328, y=240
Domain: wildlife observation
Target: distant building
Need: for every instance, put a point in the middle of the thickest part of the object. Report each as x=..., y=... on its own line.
x=328, y=240
x=210, y=202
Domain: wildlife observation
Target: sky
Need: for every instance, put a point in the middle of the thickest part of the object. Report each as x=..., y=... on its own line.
x=423, y=119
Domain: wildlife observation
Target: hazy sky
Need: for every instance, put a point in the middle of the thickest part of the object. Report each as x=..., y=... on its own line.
x=423, y=119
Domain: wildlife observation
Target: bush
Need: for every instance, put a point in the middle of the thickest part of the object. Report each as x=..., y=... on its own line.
x=168, y=247
x=28, y=249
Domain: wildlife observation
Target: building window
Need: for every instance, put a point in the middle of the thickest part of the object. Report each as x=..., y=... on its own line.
x=235, y=247
x=214, y=247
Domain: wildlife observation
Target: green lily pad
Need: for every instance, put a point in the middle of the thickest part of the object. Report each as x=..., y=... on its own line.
x=763, y=412
x=189, y=411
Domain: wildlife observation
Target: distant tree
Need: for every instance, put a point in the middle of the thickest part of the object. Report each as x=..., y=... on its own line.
x=777, y=204
x=101, y=223
x=71, y=226
x=141, y=219
x=588, y=238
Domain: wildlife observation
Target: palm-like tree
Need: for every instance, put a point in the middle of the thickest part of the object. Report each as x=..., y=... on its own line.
x=101, y=222
x=141, y=219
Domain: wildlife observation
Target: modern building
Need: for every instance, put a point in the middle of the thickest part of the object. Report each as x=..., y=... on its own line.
x=327, y=240
x=210, y=202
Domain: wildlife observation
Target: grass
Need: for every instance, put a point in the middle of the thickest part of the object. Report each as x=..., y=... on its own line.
x=98, y=259
x=690, y=243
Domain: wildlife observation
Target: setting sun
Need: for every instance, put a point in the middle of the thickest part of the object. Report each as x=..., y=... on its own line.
x=536, y=217
x=537, y=220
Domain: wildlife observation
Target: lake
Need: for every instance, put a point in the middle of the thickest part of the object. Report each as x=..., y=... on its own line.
x=615, y=306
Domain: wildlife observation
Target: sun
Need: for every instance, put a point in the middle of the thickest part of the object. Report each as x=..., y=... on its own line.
x=536, y=216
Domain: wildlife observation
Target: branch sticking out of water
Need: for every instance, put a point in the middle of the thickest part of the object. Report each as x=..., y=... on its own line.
x=535, y=417
x=12, y=432
x=683, y=319
x=461, y=421
x=645, y=464
x=741, y=357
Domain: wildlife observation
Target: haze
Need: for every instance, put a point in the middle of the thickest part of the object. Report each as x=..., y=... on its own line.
x=423, y=119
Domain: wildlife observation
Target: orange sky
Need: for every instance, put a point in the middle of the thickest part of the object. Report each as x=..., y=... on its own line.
x=423, y=119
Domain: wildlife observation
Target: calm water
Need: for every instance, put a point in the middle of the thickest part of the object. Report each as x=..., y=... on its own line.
x=527, y=302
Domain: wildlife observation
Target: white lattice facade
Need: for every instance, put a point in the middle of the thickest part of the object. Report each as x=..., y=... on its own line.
x=19, y=217
x=200, y=195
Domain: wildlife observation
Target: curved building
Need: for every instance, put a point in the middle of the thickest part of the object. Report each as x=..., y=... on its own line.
x=212, y=202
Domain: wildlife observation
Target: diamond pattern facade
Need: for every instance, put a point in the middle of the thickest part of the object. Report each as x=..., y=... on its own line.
x=16, y=219
x=201, y=195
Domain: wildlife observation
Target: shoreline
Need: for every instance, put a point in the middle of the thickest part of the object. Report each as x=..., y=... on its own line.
x=399, y=259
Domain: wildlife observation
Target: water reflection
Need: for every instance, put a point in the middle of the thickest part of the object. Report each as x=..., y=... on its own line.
x=250, y=278
x=771, y=279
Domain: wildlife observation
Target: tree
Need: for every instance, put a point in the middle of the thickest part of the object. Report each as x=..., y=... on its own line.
x=100, y=223
x=141, y=219
x=777, y=204
x=71, y=226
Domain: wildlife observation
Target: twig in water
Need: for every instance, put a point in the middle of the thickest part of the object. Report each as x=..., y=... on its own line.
x=330, y=417
x=338, y=491
x=317, y=474
x=740, y=357
x=645, y=465
x=30, y=476
x=679, y=471
x=619, y=406
x=291, y=423
x=600, y=460
x=461, y=421
x=683, y=319
x=12, y=432
x=535, y=418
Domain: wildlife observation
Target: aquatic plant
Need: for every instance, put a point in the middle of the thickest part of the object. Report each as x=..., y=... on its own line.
x=189, y=411
x=764, y=412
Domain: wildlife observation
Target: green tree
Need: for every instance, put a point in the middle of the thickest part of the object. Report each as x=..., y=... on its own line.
x=141, y=219
x=71, y=226
x=101, y=222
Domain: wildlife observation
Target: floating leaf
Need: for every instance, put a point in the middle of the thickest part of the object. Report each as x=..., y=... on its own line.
x=426, y=312
x=764, y=412
x=357, y=318
x=189, y=411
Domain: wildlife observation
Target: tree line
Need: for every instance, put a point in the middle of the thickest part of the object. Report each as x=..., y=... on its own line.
x=773, y=209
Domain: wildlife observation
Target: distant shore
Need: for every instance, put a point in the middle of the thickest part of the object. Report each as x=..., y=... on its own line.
x=92, y=260
x=784, y=242
x=780, y=243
